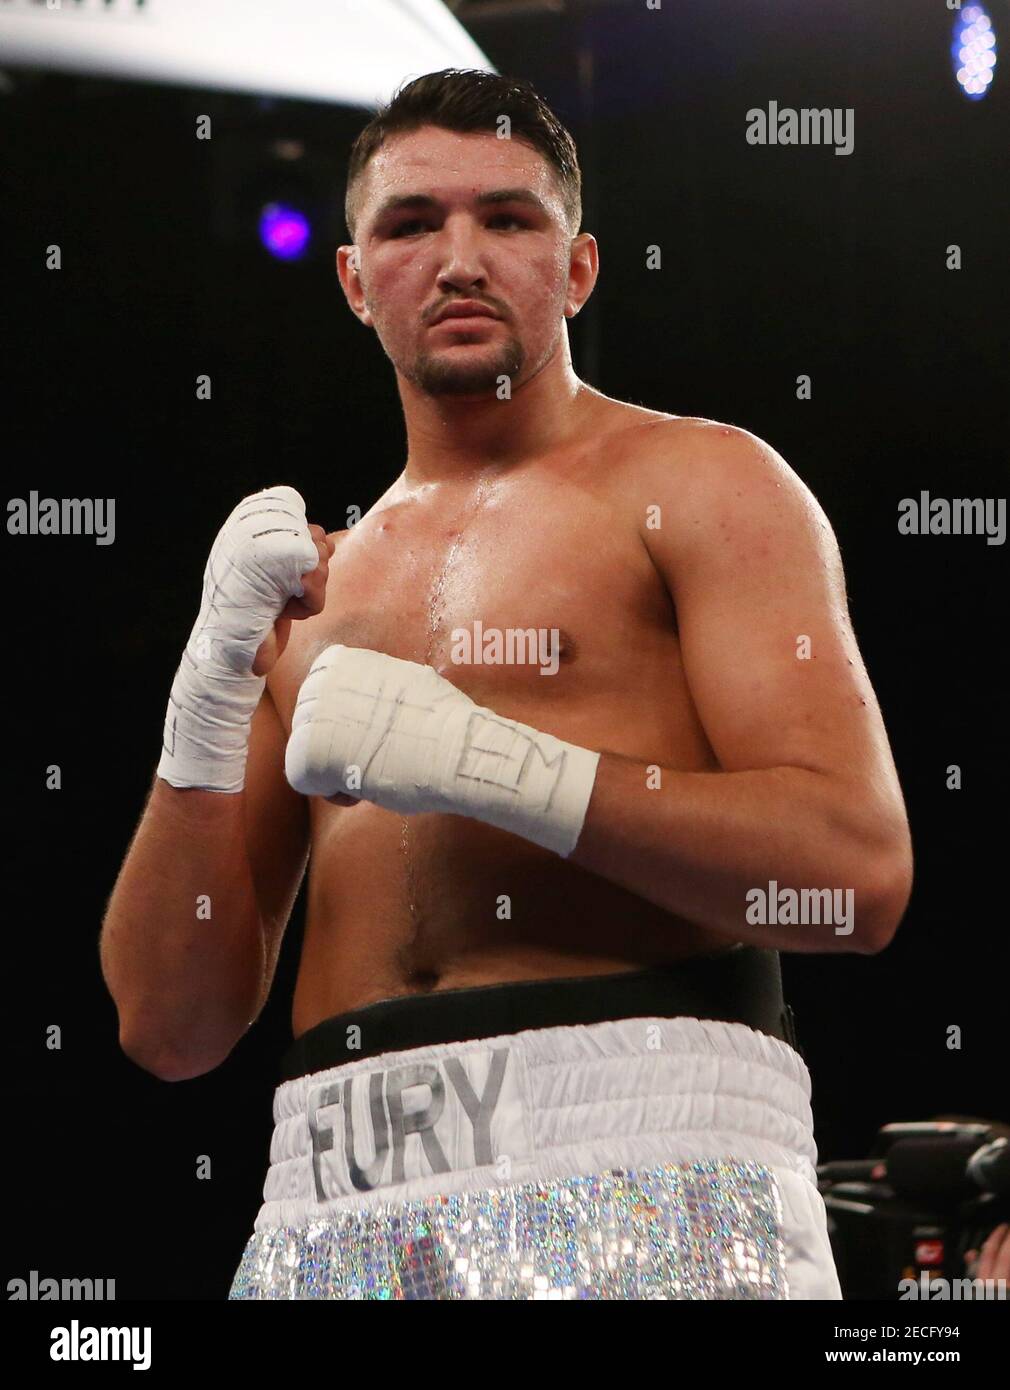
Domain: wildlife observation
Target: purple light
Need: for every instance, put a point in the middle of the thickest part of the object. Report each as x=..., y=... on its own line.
x=284, y=231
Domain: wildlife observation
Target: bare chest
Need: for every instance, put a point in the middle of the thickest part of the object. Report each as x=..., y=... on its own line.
x=522, y=595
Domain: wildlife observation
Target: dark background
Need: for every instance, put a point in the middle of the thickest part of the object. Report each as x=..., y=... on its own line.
x=776, y=262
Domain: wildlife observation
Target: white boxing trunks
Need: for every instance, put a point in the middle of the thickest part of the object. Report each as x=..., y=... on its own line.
x=607, y=1151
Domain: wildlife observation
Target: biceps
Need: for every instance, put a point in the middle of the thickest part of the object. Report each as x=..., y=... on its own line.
x=772, y=661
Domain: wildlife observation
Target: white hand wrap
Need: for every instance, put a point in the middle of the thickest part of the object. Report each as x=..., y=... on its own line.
x=419, y=744
x=256, y=564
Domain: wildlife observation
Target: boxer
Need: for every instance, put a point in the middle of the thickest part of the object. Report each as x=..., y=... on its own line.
x=540, y=1044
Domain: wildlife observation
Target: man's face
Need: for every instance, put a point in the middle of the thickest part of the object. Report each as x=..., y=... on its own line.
x=511, y=255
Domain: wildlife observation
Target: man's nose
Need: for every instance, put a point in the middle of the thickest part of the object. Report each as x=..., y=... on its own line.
x=461, y=264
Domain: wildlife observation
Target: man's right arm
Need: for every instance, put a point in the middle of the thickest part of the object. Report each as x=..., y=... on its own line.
x=194, y=925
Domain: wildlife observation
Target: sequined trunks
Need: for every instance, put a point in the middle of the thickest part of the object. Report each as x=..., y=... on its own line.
x=638, y=1157
x=696, y=1231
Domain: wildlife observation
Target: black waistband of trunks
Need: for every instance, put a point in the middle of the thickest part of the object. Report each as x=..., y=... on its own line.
x=741, y=985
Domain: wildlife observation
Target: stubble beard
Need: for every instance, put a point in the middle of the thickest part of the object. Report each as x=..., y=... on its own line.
x=447, y=373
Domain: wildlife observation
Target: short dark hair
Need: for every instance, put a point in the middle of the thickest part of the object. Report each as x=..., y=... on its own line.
x=467, y=99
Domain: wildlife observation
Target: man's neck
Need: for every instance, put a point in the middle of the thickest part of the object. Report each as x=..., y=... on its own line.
x=449, y=439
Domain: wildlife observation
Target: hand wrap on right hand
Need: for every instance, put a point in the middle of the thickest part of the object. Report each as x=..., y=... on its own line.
x=255, y=566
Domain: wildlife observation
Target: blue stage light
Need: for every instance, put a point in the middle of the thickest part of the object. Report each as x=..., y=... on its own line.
x=974, y=51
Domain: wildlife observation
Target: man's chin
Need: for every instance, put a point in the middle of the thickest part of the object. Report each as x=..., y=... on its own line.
x=441, y=376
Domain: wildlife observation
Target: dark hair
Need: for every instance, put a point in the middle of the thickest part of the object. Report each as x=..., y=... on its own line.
x=466, y=99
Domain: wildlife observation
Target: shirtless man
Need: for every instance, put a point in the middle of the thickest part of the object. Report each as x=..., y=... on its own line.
x=583, y=890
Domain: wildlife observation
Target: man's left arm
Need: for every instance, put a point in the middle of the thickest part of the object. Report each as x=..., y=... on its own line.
x=807, y=796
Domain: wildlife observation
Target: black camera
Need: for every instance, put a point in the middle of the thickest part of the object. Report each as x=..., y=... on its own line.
x=902, y=1220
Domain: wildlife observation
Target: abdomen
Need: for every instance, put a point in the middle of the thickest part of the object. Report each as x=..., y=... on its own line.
x=402, y=904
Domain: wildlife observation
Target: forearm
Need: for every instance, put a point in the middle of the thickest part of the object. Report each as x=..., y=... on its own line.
x=182, y=944
x=706, y=847
x=719, y=848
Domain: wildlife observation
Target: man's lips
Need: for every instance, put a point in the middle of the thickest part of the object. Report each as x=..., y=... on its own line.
x=466, y=309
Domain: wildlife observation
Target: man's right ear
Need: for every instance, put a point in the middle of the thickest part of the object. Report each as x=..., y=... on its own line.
x=348, y=265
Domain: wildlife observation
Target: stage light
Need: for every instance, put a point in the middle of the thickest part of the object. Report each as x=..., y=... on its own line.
x=974, y=51
x=284, y=231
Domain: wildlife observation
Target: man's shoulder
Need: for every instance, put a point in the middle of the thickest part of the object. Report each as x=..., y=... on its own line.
x=703, y=477
x=690, y=453
x=645, y=435
x=691, y=437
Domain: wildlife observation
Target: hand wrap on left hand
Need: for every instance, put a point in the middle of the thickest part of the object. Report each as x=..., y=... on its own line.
x=419, y=744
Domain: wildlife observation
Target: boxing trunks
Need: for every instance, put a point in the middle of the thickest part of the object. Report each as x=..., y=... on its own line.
x=645, y=1135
